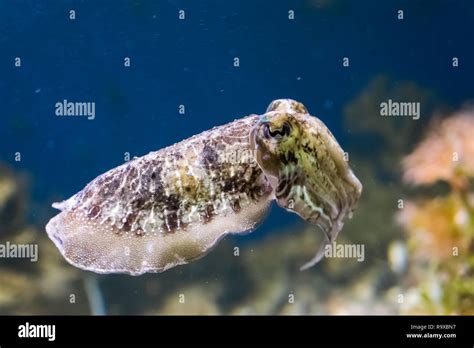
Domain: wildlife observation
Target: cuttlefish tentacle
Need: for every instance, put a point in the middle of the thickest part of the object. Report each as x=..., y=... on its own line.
x=172, y=206
x=308, y=167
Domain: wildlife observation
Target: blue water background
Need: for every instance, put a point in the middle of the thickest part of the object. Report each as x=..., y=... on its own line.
x=190, y=62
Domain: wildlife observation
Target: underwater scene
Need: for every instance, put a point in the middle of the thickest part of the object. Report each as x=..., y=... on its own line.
x=306, y=157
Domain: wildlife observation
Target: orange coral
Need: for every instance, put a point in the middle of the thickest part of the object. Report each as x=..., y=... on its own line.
x=438, y=225
x=441, y=229
x=447, y=153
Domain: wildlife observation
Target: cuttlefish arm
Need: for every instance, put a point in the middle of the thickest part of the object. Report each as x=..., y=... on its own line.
x=307, y=168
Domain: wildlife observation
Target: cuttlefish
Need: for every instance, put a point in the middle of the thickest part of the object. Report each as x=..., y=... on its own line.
x=174, y=205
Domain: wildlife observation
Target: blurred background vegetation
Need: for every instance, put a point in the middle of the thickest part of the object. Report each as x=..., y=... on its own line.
x=415, y=217
x=416, y=220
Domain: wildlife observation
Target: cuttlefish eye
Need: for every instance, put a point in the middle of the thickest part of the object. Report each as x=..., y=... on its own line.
x=277, y=133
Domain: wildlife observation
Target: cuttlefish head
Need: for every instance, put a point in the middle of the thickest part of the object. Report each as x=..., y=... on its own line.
x=306, y=168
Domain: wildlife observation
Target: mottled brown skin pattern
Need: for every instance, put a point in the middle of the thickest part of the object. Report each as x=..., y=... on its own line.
x=166, y=184
x=172, y=206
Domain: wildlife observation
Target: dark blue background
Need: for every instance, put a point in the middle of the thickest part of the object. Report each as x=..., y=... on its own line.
x=190, y=62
